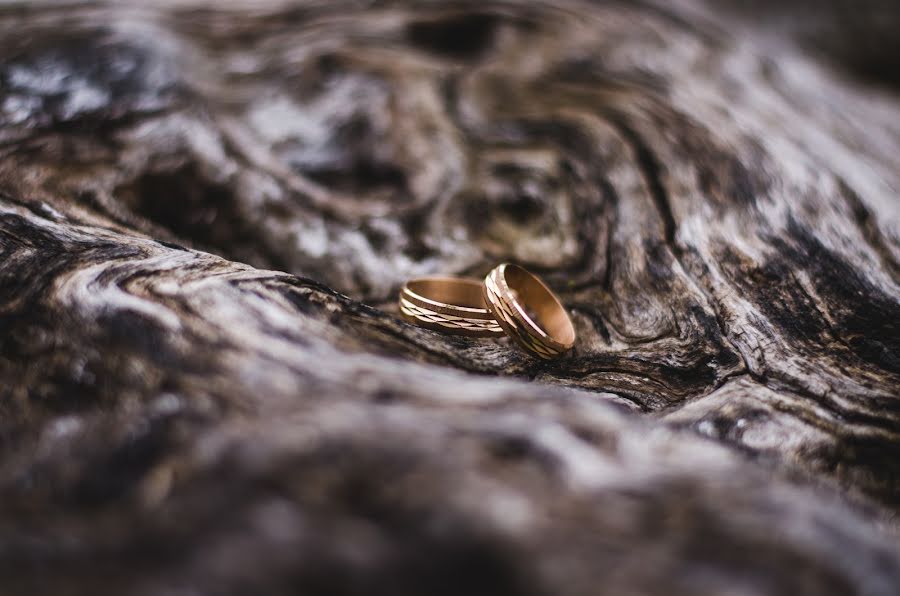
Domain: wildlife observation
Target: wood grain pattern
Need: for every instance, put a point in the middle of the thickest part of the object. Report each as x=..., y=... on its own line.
x=206, y=211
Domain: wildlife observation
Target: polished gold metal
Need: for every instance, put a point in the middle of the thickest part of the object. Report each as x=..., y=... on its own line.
x=528, y=311
x=450, y=304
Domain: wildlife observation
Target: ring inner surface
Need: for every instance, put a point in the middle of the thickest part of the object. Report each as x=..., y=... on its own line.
x=540, y=304
x=454, y=292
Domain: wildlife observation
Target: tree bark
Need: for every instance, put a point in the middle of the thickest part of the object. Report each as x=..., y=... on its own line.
x=206, y=212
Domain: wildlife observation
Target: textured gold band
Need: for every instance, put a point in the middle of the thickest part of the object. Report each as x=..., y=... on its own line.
x=449, y=304
x=528, y=311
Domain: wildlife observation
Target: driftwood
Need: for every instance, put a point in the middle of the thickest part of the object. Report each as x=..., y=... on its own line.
x=206, y=211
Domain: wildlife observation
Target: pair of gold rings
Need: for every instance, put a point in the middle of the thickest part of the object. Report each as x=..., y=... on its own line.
x=510, y=300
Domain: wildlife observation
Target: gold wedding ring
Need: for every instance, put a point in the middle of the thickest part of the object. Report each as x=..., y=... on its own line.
x=528, y=311
x=449, y=304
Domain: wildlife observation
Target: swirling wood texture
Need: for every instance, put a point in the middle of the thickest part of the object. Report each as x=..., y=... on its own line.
x=206, y=211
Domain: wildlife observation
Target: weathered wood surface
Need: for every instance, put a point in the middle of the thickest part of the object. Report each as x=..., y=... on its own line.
x=206, y=211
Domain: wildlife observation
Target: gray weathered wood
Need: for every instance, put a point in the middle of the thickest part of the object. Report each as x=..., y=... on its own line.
x=206, y=211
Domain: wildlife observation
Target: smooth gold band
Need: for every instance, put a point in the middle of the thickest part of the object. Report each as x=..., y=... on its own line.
x=449, y=304
x=528, y=311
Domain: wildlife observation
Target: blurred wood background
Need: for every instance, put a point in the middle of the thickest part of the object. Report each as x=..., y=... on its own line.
x=206, y=211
